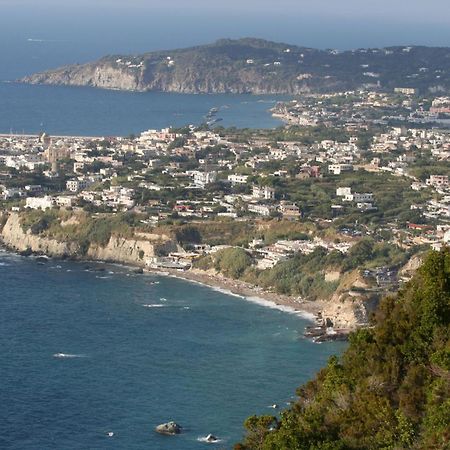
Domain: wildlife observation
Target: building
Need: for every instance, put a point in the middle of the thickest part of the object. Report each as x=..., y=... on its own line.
x=437, y=181
x=263, y=193
x=290, y=210
x=237, y=179
x=343, y=191
x=359, y=198
x=337, y=169
x=261, y=210
x=204, y=178
x=404, y=91
x=39, y=202
x=77, y=185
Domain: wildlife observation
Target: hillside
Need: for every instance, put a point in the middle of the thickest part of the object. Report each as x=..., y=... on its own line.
x=260, y=67
x=389, y=390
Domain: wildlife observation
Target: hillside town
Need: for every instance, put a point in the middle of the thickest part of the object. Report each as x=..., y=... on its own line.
x=336, y=177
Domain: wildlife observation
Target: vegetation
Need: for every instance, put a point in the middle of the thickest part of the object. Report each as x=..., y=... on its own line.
x=389, y=390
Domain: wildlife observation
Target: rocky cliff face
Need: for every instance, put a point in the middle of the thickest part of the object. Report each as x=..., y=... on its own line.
x=120, y=250
x=14, y=237
x=349, y=307
x=259, y=67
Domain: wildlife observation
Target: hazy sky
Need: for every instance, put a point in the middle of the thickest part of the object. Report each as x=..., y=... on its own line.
x=151, y=24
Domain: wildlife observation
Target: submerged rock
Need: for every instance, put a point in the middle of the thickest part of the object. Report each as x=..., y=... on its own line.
x=169, y=428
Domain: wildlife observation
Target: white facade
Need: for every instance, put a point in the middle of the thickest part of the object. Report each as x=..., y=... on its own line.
x=437, y=181
x=261, y=210
x=337, y=169
x=359, y=198
x=77, y=185
x=204, y=178
x=238, y=179
x=40, y=202
x=343, y=191
x=264, y=192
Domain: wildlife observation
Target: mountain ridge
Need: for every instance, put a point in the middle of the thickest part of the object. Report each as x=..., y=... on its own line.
x=257, y=66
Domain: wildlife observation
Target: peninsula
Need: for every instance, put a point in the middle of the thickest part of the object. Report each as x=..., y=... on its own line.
x=258, y=66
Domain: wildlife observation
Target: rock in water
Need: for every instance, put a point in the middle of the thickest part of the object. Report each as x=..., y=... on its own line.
x=169, y=428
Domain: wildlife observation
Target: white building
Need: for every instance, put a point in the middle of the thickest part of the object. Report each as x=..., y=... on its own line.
x=359, y=198
x=204, y=178
x=77, y=185
x=337, y=169
x=263, y=192
x=343, y=191
x=237, y=179
x=261, y=210
x=437, y=181
x=40, y=202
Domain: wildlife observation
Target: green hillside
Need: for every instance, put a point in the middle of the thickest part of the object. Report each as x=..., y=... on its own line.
x=389, y=390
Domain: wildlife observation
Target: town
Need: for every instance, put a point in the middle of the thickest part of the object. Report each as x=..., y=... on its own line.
x=346, y=170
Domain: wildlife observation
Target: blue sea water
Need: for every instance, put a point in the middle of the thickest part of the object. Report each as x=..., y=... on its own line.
x=139, y=350
x=62, y=110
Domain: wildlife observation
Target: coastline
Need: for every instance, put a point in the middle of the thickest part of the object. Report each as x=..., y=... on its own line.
x=308, y=310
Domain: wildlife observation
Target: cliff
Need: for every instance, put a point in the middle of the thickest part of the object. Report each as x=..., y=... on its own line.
x=260, y=67
x=118, y=249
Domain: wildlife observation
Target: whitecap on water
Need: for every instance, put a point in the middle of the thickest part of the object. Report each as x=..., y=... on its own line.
x=154, y=306
x=67, y=355
x=209, y=439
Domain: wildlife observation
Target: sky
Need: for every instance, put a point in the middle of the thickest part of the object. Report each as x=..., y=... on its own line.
x=342, y=24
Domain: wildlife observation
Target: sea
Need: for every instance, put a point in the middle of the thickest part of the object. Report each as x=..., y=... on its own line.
x=90, y=349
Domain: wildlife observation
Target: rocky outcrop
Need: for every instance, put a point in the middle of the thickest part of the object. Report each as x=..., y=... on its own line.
x=351, y=304
x=16, y=238
x=130, y=251
x=169, y=428
x=118, y=249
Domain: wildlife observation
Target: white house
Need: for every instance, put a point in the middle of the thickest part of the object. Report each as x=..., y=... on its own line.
x=359, y=198
x=237, y=179
x=343, y=191
x=40, y=202
x=263, y=192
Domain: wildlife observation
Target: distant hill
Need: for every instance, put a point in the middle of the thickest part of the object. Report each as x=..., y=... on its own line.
x=260, y=67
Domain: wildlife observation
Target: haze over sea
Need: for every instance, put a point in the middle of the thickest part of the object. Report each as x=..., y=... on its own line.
x=138, y=350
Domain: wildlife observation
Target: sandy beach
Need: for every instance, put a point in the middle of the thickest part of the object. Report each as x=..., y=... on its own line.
x=307, y=309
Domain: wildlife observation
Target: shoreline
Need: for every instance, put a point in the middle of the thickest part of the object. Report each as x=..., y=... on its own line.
x=308, y=310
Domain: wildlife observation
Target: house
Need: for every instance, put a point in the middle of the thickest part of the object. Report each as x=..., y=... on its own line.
x=337, y=169
x=263, y=192
x=289, y=210
x=343, y=191
x=359, y=198
x=204, y=178
x=77, y=184
x=437, y=181
x=237, y=179
x=261, y=210
x=39, y=202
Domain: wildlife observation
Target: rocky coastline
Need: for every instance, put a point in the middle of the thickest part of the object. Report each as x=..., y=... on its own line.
x=128, y=252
